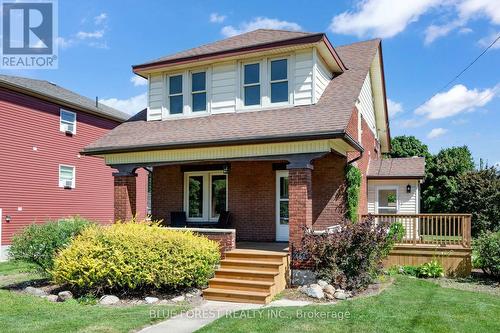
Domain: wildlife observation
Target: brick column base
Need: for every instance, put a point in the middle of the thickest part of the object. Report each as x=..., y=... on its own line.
x=300, y=213
x=125, y=197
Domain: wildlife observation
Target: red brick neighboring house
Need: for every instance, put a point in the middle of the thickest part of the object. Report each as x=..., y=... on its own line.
x=262, y=124
x=44, y=176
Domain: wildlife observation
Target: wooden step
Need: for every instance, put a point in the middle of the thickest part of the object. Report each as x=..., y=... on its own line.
x=238, y=284
x=256, y=255
x=244, y=274
x=253, y=265
x=233, y=295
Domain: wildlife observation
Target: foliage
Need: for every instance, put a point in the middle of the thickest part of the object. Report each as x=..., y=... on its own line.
x=353, y=185
x=487, y=247
x=441, y=185
x=38, y=243
x=394, y=235
x=136, y=256
x=432, y=269
x=479, y=194
x=408, y=146
x=352, y=257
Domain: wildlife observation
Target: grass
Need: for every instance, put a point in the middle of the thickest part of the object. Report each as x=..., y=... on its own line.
x=410, y=305
x=25, y=313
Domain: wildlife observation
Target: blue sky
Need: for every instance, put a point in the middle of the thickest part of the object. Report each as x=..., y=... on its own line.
x=425, y=44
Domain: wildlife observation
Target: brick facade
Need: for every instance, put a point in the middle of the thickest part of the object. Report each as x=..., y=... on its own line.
x=226, y=240
x=125, y=197
x=167, y=192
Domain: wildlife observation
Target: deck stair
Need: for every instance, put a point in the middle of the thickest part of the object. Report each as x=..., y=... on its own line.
x=248, y=276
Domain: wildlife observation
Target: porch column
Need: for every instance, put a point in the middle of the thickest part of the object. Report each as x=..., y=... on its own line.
x=300, y=209
x=125, y=194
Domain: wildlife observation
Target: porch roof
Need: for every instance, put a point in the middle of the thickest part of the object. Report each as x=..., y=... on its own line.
x=326, y=119
x=411, y=167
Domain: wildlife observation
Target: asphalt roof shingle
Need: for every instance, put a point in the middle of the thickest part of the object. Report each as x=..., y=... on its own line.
x=330, y=114
x=407, y=167
x=55, y=92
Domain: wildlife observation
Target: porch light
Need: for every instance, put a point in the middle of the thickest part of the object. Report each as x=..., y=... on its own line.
x=226, y=168
x=408, y=188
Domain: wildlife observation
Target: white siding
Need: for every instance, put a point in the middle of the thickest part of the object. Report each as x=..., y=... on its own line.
x=155, y=97
x=224, y=88
x=365, y=104
x=303, y=78
x=322, y=78
x=408, y=202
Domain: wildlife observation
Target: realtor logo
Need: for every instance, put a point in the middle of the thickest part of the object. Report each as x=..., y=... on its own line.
x=29, y=34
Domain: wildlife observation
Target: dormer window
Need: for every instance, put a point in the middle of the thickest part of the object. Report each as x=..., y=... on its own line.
x=176, y=103
x=251, y=84
x=279, y=81
x=67, y=121
x=199, y=91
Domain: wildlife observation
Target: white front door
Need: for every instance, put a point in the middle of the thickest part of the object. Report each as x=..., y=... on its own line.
x=282, y=206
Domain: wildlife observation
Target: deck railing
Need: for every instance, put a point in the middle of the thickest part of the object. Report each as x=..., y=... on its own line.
x=432, y=229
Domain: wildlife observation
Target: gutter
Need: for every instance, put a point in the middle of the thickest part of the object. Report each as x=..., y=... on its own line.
x=217, y=143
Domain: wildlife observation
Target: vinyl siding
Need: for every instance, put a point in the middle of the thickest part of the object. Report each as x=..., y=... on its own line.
x=322, y=78
x=155, y=97
x=303, y=78
x=365, y=104
x=224, y=88
x=408, y=202
x=29, y=189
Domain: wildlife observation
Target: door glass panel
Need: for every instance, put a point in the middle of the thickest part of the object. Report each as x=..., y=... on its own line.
x=283, y=212
x=283, y=187
x=387, y=201
x=195, y=204
x=283, y=200
x=218, y=202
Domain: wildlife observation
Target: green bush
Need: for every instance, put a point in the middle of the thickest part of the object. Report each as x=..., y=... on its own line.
x=136, y=256
x=353, y=185
x=432, y=269
x=38, y=243
x=487, y=248
x=394, y=235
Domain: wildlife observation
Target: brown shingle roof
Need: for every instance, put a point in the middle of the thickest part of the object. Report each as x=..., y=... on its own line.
x=329, y=116
x=410, y=167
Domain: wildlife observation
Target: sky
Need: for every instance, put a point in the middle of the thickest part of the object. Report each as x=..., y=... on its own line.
x=425, y=43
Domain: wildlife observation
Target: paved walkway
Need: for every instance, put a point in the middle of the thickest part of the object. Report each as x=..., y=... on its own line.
x=207, y=312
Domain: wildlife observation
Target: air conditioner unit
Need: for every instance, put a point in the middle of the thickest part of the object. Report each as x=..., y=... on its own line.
x=68, y=184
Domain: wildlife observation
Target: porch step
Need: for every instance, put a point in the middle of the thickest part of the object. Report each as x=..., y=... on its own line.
x=250, y=276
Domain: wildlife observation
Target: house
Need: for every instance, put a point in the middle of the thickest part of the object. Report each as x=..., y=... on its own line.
x=262, y=125
x=44, y=176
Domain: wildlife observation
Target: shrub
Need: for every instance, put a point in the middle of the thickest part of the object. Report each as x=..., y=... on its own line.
x=38, y=243
x=487, y=247
x=352, y=257
x=135, y=256
x=394, y=235
x=432, y=269
x=353, y=184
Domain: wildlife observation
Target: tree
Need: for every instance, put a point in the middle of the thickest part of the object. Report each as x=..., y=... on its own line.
x=479, y=194
x=441, y=184
x=408, y=146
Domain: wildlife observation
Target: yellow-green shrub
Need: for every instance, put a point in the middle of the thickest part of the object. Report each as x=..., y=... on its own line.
x=135, y=256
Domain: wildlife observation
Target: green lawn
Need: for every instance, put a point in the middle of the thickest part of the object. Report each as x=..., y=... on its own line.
x=26, y=313
x=410, y=305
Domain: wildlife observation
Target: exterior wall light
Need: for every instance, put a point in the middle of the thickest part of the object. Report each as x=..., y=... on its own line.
x=226, y=168
x=408, y=188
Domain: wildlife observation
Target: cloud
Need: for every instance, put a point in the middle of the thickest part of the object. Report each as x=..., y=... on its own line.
x=217, y=18
x=434, y=32
x=101, y=18
x=90, y=35
x=380, y=18
x=486, y=41
x=138, y=80
x=394, y=107
x=259, y=23
x=455, y=101
x=64, y=43
x=130, y=105
x=436, y=133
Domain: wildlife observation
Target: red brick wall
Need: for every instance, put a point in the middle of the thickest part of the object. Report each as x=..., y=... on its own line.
x=125, y=192
x=226, y=240
x=300, y=194
x=167, y=192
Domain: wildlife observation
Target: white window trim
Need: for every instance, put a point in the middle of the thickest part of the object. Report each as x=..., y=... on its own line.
x=206, y=91
x=61, y=121
x=243, y=85
x=207, y=194
x=288, y=73
x=386, y=187
x=73, y=185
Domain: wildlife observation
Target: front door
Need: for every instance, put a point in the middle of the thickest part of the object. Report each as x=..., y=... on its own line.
x=282, y=206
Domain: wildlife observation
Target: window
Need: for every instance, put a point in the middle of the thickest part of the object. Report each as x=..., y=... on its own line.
x=387, y=201
x=251, y=84
x=67, y=121
x=199, y=91
x=176, y=103
x=283, y=199
x=66, y=176
x=279, y=81
x=205, y=195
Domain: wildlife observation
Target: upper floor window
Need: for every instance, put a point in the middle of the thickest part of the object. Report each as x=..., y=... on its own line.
x=66, y=176
x=199, y=91
x=279, y=81
x=67, y=121
x=176, y=102
x=251, y=84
